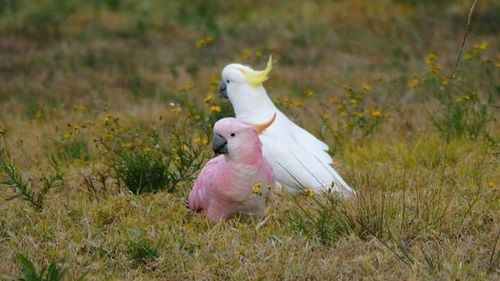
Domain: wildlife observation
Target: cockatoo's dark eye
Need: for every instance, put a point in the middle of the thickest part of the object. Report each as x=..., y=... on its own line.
x=233, y=134
x=227, y=81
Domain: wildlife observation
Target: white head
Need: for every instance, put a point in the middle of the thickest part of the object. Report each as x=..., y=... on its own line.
x=243, y=86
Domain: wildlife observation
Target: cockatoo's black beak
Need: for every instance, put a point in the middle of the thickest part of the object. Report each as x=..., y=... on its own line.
x=220, y=144
x=223, y=89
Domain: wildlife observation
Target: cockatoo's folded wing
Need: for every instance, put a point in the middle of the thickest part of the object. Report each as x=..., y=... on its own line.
x=300, y=160
x=304, y=139
x=203, y=186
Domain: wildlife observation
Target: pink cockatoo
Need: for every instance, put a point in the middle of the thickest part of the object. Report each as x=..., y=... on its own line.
x=237, y=181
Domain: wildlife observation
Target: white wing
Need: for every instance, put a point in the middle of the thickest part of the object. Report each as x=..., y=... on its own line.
x=299, y=159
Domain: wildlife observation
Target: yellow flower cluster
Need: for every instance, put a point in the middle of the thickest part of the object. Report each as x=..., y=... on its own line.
x=175, y=109
x=309, y=192
x=288, y=101
x=431, y=62
x=208, y=98
x=464, y=98
x=201, y=140
x=367, y=87
x=476, y=51
x=78, y=108
x=257, y=189
x=126, y=145
x=414, y=83
x=38, y=114
x=481, y=46
x=186, y=88
x=444, y=80
x=247, y=54
x=204, y=41
x=377, y=113
x=309, y=93
x=430, y=58
x=108, y=119
x=215, y=108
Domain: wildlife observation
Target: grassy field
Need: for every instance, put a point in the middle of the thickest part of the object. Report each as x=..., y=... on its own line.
x=106, y=111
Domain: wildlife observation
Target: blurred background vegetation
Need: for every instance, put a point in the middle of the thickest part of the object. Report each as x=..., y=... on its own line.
x=102, y=101
x=62, y=51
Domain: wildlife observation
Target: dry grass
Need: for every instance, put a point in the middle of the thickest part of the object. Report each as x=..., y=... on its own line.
x=78, y=79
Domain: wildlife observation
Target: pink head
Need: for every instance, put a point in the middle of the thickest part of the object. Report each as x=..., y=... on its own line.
x=239, y=141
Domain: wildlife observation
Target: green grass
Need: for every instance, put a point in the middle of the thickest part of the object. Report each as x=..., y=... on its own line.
x=101, y=101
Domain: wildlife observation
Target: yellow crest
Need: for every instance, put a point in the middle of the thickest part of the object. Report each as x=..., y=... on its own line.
x=257, y=77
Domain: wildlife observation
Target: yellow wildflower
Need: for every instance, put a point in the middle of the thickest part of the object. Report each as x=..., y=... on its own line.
x=78, y=108
x=196, y=117
x=436, y=68
x=215, y=108
x=296, y=103
x=490, y=184
x=201, y=140
x=204, y=41
x=430, y=58
x=38, y=114
x=257, y=189
x=208, y=98
x=246, y=55
x=310, y=192
x=414, y=83
x=126, y=145
x=367, y=87
x=310, y=93
x=376, y=113
x=109, y=137
x=176, y=110
x=481, y=46
x=444, y=81
x=106, y=119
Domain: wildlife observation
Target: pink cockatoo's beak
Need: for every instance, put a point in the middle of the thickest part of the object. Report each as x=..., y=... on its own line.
x=219, y=144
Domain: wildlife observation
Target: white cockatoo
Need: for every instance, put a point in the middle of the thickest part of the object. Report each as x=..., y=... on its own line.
x=299, y=160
